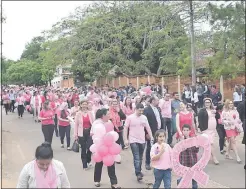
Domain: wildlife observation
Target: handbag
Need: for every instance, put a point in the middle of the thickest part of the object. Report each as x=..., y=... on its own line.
x=75, y=146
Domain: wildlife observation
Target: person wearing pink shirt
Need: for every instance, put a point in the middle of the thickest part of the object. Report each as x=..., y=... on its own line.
x=127, y=107
x=136, y=124
x=5, y=99
x=82, y=129
x=161, y=160
x=20, y=102
x=64, y=125
x=36, y=105
x=46, y=116
x=92, y=95
x=166, y=112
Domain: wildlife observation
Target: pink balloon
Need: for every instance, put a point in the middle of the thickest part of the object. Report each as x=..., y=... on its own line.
x=109, y=126
x=97, y=141
x=115, y=135
x=108, y=160
x=108, y=140
x=93, y=148
x=102, y=150
x=99, y=131
x=96, y=158
x=114, y=149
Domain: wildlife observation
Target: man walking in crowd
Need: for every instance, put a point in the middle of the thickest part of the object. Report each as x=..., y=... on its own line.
x=136, y=125
x=175, y=109
x=215, y=95
x=166, y=111
x=155, y=120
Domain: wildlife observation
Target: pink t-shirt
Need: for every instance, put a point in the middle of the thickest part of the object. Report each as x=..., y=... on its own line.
x=165, y=161
x=136, y=125
x=166, y=110
x=127, y=110
x=62, y=123
x=46, y=114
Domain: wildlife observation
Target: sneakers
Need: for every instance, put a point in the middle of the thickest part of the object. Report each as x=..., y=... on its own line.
x=139, y=177
x=62, y=145
x=147, y=167
x=90, y=164
x=68, y=148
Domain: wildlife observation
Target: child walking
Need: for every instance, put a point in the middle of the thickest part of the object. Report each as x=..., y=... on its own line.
x=161, y=154
x=188, y=157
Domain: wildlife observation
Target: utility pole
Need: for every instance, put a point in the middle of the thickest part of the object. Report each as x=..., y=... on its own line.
x=192, y=41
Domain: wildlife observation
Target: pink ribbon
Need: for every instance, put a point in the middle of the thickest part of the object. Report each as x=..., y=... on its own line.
x=196, y=172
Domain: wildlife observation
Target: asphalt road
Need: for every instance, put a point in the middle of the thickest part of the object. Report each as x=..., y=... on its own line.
x=20, y=137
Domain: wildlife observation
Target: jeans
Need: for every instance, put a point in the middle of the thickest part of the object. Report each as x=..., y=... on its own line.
x=174, y=128
x=162, y=175
x=221, y=132
x=168, y=127
x=147, y=153
x=194, y=183
x=111, y=173
x=56, y=128
x=48, y=131
x=65, y=130
x=137, y=152
x=120, y=140
x=20, y=110
x=85, y=143
x=200, y=99
x=12, y=105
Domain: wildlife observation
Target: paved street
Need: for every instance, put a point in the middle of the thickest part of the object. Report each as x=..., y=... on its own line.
x=22, y=136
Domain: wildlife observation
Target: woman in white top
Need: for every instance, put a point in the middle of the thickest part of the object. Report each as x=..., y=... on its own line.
x=44, y=171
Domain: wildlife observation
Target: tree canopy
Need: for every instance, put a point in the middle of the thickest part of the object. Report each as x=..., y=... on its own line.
x=144, y=37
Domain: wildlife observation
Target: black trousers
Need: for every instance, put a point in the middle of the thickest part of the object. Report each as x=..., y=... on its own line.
x=147, y=153
x=120, y=140
x=111, y=173
x=56, y=127
x=65, y=130
x=6, y=107
x=85, y=143
x=221, y=132
x=194, y=107
x=12, y=105
x=168, y=127
x=200, y=98
x=48, y=131
x=20, y=110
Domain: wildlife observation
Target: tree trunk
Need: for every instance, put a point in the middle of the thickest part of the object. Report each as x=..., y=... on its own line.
x=192, y=40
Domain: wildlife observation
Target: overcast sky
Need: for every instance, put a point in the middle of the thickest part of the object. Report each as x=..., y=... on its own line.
x=27, y=19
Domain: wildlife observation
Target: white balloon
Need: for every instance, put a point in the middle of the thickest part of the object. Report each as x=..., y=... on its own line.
x=117, y=158
x=96, y=140
x=115, y=135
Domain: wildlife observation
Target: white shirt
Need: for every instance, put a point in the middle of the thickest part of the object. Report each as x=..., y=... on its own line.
x=237, y=97
x=195, y=98
x=187, y=94
x=157, y=115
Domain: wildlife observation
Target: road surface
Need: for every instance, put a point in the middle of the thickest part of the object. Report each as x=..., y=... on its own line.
x=22, y=136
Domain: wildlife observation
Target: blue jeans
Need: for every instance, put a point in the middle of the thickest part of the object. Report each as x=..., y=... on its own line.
x=194, y=183
x=137, y=152
x=162, y=175
x=147, y=152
